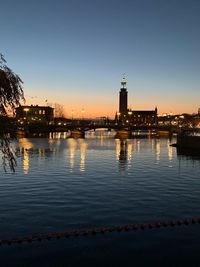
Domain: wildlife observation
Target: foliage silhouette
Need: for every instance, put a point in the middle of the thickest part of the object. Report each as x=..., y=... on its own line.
x=11, y=94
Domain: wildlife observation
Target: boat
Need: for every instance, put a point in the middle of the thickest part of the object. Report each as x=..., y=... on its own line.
x=162, y=133
x=77, y=134
x=123, y=134
x=188, y=141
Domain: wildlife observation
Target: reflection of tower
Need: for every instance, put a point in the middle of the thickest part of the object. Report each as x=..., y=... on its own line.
x=123, y=156
x=123, y=98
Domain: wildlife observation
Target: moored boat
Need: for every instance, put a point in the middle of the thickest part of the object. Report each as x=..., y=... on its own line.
x=188, y=141
x=123, y=134
x=77, y=134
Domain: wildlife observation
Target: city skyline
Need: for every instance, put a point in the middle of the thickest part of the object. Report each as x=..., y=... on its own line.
x=75, y=53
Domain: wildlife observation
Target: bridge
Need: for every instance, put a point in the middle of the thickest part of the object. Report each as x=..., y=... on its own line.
x=80, y=127
x=113, y=125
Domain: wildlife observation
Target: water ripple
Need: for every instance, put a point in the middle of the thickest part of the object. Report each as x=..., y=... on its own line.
x=66, y=185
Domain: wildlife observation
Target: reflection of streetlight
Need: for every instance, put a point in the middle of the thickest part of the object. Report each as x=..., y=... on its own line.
x=72, y=148
x=83, y=147
x=25, y=145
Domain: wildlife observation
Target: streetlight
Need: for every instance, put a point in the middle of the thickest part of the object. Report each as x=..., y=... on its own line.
x=26, y=111
x=72, y=113
x=82, y=112
x=130, y=116
x=118, y=116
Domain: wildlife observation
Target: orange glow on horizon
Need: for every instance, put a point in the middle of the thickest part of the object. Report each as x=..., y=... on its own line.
x=107, y=107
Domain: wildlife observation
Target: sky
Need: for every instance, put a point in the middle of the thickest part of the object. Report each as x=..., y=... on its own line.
x=74, y=53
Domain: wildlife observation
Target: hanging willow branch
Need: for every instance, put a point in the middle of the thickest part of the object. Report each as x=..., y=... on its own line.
x=11, y=93
x=8, y=153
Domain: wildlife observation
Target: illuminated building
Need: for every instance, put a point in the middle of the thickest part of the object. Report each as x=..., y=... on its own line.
x=142, y=117
x=127, y=116
x=34, y=115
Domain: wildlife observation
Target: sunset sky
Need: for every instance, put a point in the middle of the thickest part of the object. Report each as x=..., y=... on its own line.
x=74, y=53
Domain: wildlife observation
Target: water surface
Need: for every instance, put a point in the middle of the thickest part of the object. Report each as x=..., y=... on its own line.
x=65, y=184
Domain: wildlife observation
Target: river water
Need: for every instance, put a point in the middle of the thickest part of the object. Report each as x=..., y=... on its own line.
x=73, y=184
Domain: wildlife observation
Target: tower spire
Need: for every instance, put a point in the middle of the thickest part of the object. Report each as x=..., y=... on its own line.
x=123, y=98
x=123, y=82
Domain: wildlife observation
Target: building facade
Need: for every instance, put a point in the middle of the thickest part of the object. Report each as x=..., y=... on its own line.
x=142, y=117
x=34, y=115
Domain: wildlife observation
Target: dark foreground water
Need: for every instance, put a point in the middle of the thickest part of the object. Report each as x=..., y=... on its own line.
x=66, y=184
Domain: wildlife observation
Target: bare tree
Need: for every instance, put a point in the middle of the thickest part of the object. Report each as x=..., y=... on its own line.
x=11, y=93
x=58, y=110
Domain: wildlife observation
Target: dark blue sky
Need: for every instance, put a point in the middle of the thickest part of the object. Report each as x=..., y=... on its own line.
x=74, y=52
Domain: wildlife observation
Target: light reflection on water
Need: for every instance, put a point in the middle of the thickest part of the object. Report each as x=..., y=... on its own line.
x=83, y=146
x=25, y=145
x=124, y=149
x=63, y=183
x=72, y=148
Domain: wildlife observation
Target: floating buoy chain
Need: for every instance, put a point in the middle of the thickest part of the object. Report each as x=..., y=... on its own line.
x=102, y=230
